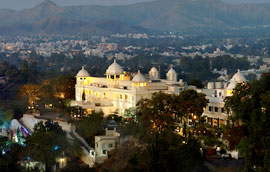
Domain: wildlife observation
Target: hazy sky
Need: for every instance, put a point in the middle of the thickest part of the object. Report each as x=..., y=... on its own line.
x=22, y=4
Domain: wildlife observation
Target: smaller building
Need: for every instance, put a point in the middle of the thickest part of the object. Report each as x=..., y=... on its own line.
x=216, y=92
x=104, y=144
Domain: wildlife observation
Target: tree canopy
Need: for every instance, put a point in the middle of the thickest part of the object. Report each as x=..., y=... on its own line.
x=48, y=142
x=249, y=105
x=90, y=126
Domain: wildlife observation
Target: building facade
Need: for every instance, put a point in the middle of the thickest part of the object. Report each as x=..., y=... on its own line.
x=216, y=92
x=117, y=92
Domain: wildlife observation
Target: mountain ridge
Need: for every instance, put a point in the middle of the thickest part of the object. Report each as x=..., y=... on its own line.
x=160, y=15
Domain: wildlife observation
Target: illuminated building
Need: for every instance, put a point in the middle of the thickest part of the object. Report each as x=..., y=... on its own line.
x=117, y=92
x=216, y=92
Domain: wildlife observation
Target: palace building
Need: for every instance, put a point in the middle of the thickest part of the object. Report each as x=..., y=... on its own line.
x=117, y=91
x=216, y=92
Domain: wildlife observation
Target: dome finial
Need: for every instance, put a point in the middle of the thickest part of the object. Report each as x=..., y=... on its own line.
x=139, y=77
x=114, y=69
x=82, y=73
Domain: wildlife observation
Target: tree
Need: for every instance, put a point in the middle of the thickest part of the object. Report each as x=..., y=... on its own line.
x=196, y=67
x=9, y=160
x=157, y=113
x=57, y=90
x=3, y=143
x=233, y=135
x=48, y=142
x=6, y=116
x=249, y=107
x=196, y=82
x=90, y=126
x=31, y=92
x=192, y=103
x=208, y=135
x=170, y=152
x=75, y=166
x=231, y=64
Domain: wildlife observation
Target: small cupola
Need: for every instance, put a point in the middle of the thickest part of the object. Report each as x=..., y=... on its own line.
x=139, y=80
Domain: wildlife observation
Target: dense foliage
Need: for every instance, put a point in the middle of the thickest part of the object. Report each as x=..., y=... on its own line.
x=162, y=148
x=91, y=126
x=250, y=107
x=48, y=142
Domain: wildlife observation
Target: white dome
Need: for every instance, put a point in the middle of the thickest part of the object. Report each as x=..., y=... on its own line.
x=139, y=77
x=238, y=77
x=114, y=69
x=82, y=73
x=171, y=71
x=153, y=70
x=232, y=85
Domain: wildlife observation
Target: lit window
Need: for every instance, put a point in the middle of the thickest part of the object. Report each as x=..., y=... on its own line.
x=126, y=97
x=222, y=122
x=120, y=96
x=98, y=95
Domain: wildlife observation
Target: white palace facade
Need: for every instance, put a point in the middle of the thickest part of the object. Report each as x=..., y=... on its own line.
x=216, y=92
x=117, y=92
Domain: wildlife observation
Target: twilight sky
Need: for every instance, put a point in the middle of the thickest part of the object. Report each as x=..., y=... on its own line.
x=22, y=4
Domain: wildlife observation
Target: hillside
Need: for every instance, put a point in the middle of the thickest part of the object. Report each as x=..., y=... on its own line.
x=160, y=15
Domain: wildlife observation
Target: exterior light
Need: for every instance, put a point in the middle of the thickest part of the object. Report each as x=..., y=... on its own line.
x=56, y=148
